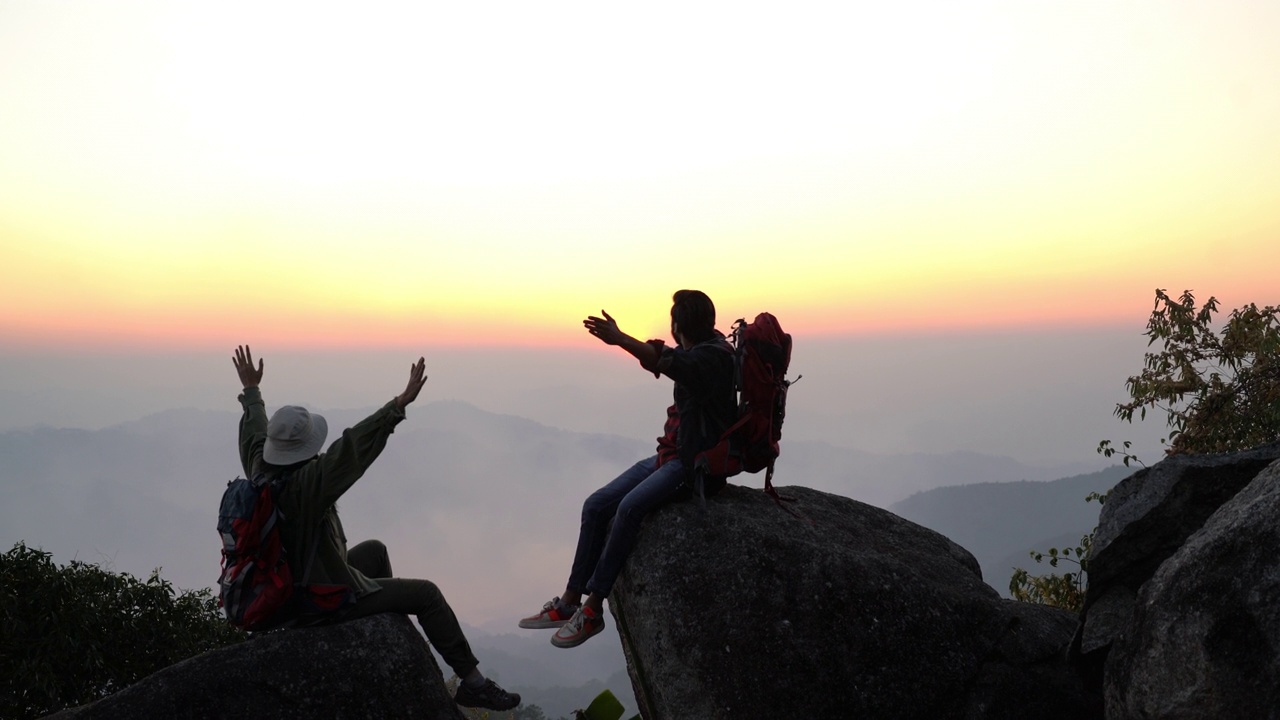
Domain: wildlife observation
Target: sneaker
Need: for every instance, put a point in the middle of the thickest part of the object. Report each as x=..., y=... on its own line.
x=581, y=626
x=488, y=696
x=553, y=615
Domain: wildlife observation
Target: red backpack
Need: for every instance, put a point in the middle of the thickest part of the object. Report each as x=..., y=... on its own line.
x=257, y=590
x=762, y=352
x=256, y=582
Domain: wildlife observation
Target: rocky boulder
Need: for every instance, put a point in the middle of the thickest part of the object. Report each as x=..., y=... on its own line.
x=741, y=610
x=1203, y=639
x=1147, y=518
x=375, y=667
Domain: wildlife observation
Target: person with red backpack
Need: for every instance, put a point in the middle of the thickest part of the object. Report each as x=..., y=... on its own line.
x=335, y=583
x=701, y=364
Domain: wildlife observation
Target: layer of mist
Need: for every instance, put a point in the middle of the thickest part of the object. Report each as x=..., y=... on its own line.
x=1044, y=397
x=485, y=505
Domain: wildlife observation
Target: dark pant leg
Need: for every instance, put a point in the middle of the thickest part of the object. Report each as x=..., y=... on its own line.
x=371, y=559
x=410, y=597
x=423, y=599
x=652, y=492
x=597, y=512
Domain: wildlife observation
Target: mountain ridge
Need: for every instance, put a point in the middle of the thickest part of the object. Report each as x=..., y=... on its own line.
x=484, y=504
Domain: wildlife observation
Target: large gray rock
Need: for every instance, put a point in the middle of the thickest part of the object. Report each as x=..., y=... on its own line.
x=1204, y=641
x=743, y=611
x=375, y=667
x=1146, y=519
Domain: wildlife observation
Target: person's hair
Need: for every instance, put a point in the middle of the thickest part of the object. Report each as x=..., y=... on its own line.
x=694, y=312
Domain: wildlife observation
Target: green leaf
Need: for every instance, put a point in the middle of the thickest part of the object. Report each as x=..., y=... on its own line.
x=604, y=707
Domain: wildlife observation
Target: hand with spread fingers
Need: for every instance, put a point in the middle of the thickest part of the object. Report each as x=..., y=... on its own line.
x=243, y=360
x=417, y=378
x=605, y=328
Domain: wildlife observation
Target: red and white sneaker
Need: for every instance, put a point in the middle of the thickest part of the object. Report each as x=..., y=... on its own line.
x=553, y=615
x=581, y=626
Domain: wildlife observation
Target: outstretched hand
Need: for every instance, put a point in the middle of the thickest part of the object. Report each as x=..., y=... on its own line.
x=417, y=378
x=605, y=328
x=243, y=360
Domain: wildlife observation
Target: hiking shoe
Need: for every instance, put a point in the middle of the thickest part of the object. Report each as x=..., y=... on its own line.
x=581, y=626
x=553, y=615
x=488, y=696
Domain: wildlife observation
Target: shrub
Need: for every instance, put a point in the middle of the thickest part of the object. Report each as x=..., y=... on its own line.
x=74, y=634
x=1066, y=590
x=1219, y=392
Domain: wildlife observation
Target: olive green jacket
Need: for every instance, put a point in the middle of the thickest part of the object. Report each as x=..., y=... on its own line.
x=307, y=501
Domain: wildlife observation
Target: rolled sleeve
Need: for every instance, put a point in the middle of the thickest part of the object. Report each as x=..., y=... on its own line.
x=663, y=361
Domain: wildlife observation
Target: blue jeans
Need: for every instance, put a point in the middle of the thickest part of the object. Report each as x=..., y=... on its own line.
x=603, y=550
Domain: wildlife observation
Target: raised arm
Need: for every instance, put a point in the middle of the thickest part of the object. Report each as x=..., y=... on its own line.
x=607, y=330
x=417, y=378
x=253, y=423
x=350, y=455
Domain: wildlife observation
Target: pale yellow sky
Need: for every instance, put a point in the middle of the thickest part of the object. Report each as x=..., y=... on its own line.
x=959, y=209
x=353, y=174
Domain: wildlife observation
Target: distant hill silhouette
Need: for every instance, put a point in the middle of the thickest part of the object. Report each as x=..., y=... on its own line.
x=998, y=522
x=884, y=479
x=486, y=505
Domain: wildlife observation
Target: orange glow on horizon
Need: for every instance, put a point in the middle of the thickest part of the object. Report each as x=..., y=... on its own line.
x=977, y=309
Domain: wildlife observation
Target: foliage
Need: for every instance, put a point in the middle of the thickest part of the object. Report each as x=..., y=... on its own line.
x=1219, y=392
x=1066, y=590
x=74, y=634
x=604, y=707
x=1106, y=449
x=529, y=712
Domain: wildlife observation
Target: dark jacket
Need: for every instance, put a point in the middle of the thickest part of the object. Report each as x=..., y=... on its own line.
x=703, y=393
x=307, y=501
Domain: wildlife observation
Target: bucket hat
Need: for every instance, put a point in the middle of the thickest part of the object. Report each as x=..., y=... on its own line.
x=293, y=434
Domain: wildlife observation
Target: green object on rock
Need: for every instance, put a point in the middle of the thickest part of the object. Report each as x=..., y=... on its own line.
x=604, y=707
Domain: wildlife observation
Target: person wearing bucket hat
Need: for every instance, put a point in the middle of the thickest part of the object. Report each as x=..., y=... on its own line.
x=293, y=435
x=357, y=581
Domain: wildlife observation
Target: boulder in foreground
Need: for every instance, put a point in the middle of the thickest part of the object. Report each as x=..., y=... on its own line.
x=742, y=610
x=375, y=667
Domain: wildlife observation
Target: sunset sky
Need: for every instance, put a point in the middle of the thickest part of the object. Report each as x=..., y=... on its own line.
x=356, y=174
x=960, y=210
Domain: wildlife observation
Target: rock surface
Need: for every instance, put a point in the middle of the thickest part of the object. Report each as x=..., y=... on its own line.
x=1146, y=519
x=375, y=667
x=1204, y=640
x=741, y=610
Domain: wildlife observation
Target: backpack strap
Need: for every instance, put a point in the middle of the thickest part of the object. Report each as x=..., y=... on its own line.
x=778, y=498
x=292, y=618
